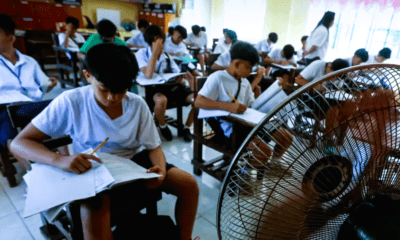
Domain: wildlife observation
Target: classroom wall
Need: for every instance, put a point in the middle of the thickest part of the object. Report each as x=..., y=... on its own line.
x=128, y=10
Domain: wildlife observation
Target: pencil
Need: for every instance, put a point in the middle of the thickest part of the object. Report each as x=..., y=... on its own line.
x=98, y=147
x=230, y=95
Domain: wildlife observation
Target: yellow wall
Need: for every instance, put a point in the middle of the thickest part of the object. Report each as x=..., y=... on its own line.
x=217, y=21
x=128, y=10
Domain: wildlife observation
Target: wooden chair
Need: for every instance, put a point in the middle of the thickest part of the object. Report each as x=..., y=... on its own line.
x=210, y=62
x=215, y=42
x=39, y=45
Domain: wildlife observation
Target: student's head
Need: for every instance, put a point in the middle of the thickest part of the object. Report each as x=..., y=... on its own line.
x=360, y=56
x=273, y=37
x=7, y=31
x=243, y=57
x=383, y=55
x=170, y=31
x=196, y=30
x=203, y=29
x=230, y=37
x=327, y=20
x=152, y=33
x=110, y=69
x=179, y=34
x=224, y=30
x=72, y=23
x=107, y=30
x=337, y=65
x=288, y=51
x=304, y=40
x=143, y=25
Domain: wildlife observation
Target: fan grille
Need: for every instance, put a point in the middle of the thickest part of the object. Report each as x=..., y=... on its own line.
x=342, y=148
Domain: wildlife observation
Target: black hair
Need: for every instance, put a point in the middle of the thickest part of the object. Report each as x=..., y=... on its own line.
x=113, y=65
x=385, y=52
x=170, y=30
x=196, y=29
x=244, y=51
x=106, y=29
x=182, y=31
x=224, y=30
x=73, y=21
x=288, y=51
x=232, y=35
x=326, y=19
x=339, y=64
x=143, y=24
x=7, y=24
x=203, y=29
x=153, y=32
x=273, y=37
x=363, y=54
x=304, y=38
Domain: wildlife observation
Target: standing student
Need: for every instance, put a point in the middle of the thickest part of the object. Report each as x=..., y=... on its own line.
x=300, y=52
x=318, y=42
x=360, y=56
x=266, y=46
x=383, y=55
x=105, y=109
x=198, y=39
x=153, y=60
x=230, y=36
x=138, y=41
x=281, y=56
x=71, y=39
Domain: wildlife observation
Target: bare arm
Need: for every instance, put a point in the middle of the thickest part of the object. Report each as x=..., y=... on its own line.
x=206, y=103
x=301, y=81
x=216, y=67
x=258, y=78
x=157, y=158
x=157, y=48
x=312, y=49
x=269, y=60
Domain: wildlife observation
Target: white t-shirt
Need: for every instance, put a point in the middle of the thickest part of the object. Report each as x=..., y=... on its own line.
x=137, y=40
x=224, y=60
x=200, y=41
x=77, y=113
x=23, y=80
x=320, y=38
x=300, y=54
x=143, y=57
x=371, y=60
x=71, y=44
x=171, y=47
x=221, y=47
x=315, y=70
x=220, y=82
x=276, y=55
x=263, y=46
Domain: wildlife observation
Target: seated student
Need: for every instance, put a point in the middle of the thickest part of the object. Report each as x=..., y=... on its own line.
x=230, y=36
x=71, y=39
x=223, y=33
x=174, y=45
x=203, y=29
x=124, y=118
x=300, y=52
x=198, y=39
x=382, y=56
x=266, y=46
x=138, y=41
x=170, y=31
x=107, y=32
x=224, y=60
x=360, y=56
x=153, y=60
x=21, y=77
x=214, y=95
x=280, y=56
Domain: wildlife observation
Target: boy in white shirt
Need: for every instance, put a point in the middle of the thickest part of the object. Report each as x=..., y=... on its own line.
x=280, y=56
x=138, y=41
x=300, y=52
x=174, y=45
x=382, y=56
x=198, y=39
x=106, y=109
x=71, y=39
x=230, y=36
x=153, y=60
x=360, y=56
x=266, y=46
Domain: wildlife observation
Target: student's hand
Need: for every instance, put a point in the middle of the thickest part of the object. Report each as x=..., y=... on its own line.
x=156, y=182
x=77, y=163
x=284, y=63
x=158, y=46
x=53, y=83
x=237, y=107
x=179, y=79
x=260, y=71
x=282, y=82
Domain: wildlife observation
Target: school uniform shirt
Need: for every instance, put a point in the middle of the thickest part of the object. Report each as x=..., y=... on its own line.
x=200, y=41
x=263, y=46
x=371, y=60
x=320, y=38
x=143, y=57
x=315, y=70
x=138, y=40
x=276, y=55
x=224, y=60
x=95, y=39
x=300, y=54
x=22, y=81
x=349, y=60
x=72, y=43
x=171, y=47
x=77, y=113
x=221, y=47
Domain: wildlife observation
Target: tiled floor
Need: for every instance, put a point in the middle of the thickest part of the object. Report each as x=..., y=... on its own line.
x=14, y=226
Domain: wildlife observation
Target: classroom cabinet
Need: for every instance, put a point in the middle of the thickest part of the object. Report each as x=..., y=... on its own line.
x=158, y=18
x=9, y=7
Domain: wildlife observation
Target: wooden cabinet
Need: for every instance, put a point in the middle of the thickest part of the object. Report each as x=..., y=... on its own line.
x=158, y=18
x=74, y=11
x=9, y=7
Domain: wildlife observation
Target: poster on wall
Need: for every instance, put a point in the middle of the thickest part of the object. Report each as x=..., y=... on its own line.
x=113, y=15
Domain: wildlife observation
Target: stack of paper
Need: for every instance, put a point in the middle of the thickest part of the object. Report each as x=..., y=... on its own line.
x=157, y=78
x=251, y=116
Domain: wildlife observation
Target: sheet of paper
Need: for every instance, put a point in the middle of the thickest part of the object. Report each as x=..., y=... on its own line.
x=204, y=113
x=251, y=116
x=267, y=95
x=339, y=95
x=289, y=66
x=170, y=76
x=73, y=49
x=157, y=79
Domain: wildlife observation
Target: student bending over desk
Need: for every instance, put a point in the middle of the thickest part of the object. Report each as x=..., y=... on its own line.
x=104, y=109
x=266, y=45
x=138, y=40
x=71, y=39
x=281, y=56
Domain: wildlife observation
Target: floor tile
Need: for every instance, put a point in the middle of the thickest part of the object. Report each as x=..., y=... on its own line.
x=211, y=215
x=6, y=206
x=204, y=229
x=16, y=194
x=12, y=228
x=33, y=223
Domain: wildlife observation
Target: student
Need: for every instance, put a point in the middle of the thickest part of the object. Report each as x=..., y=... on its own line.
x=198, y=39
x=360, y=56
x=21, y=77
x=230, y=36
x=203, y=29
x=318, y=42
x=300, y=52
x=224, y=60
x=214, y=95
x=107, y=32
x=71, y=39
x=153, y=60
x=170, y=32
x=280, y=56
x=110, y=110
x=266, y=46
x=174, y=45
x=382, y=56
x=222, y=39
x=138, y=41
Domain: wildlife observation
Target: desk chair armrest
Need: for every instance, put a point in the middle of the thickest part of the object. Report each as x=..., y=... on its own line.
x=54, y=143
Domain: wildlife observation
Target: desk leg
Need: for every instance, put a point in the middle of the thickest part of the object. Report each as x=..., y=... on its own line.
x=180, y=120
x=198, y=149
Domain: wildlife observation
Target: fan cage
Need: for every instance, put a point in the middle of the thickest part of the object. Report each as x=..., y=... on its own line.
x=278, y=198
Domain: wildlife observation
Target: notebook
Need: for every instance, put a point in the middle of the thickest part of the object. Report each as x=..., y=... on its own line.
x=250, y=116
x=157, y=78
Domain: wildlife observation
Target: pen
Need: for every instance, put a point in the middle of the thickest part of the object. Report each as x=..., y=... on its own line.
x=98, y=147
x=230, y=95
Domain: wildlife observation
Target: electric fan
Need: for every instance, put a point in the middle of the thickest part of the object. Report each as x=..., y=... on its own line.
x=324, y=164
